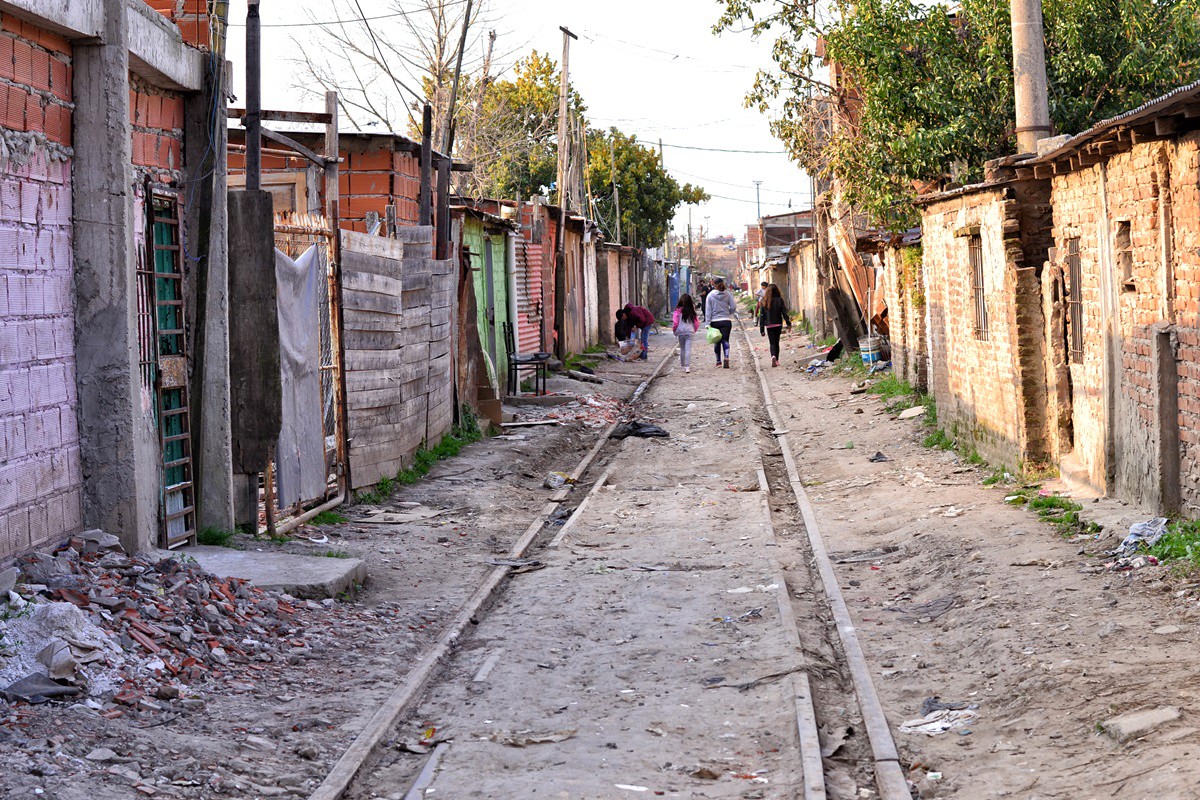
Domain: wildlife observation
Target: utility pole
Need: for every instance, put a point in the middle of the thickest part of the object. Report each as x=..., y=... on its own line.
x=667, y=236
x=447, y=135
x=612, y=156
x=1029, y=74
x=253, y=96
x=758, y=197
x=690, y=262
x=564, y=143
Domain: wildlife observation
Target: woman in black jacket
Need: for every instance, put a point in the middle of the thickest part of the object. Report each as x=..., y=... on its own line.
x=772, y=317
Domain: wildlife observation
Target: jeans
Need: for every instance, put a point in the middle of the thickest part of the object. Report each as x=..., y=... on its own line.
x=645, y=341
x=773, y=339
x=685, y=348
x=725, y=326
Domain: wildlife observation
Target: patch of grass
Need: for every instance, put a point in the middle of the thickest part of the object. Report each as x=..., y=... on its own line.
x=890, y=386
x=1061, y=512
x=328, y=518
x=215, y=537
x=335, y=554
x=974, y=459
x=599, y=349
x=465, y=433
x=1181, y=544
x=999, y=475
x=828, y=341
x=576, y=360
x=938, y=440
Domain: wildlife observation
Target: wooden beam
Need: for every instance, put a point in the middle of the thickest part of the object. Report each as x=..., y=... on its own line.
x=320, y=161
x=284, y=116
x=1165, y=126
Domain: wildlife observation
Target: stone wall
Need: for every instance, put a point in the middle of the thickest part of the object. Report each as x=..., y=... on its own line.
x=40, y=473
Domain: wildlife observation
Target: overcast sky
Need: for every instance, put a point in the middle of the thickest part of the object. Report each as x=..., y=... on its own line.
x=650, y=67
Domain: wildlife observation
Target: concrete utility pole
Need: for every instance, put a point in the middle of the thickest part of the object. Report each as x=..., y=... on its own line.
x=758, y=197
x=564, y=144
x=1029, y=74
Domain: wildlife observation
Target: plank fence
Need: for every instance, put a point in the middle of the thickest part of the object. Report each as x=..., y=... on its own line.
x=398, y=304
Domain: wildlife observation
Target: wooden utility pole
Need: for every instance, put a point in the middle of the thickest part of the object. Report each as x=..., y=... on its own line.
x=564, y=143
x=447, y=136
x=253, y=96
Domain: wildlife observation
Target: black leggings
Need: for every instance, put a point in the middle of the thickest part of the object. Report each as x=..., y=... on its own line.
x=773, y=340
x=725, y=327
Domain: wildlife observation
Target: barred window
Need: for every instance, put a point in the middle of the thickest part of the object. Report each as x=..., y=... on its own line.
x=975, y=253
x=1075, y=300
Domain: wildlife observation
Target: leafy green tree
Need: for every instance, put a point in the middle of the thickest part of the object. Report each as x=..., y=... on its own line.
x=517, y=131
x=922, y=91
x=648, y=195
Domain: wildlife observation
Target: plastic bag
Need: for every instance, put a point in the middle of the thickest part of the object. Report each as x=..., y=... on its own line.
x=556, y=480
x=712, y=335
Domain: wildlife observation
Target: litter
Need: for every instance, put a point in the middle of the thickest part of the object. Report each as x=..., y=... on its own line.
x=630, y=787
x=925, y=612
x=1148, y=533
x=748, y=685
x=878, y=458
x=526, y=738
x=938, y=722
x=910, y=413
x=382, y=516
x=557, y=480
x=37, y=688
x=640, y=429
x=879, y=366
x=935, y=703
x=1132, y=562
x=518, y=565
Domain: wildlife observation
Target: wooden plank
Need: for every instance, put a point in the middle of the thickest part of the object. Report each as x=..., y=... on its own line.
x=371, y=282
x=439, y=316
x=367, y=381
x=371, y=321
x=361, y=243
x=374, y=340
x=371, y=360
x=376, y=265
x=416, y=280
x=353, y=300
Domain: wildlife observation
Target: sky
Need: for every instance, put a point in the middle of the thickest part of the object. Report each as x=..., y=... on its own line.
x=650, y=67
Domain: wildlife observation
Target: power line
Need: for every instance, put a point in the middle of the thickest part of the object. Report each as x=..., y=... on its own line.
x=728, y=183
x=726, y=150
x=342, y=21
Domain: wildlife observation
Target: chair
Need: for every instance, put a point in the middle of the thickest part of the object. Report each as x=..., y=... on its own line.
x=538, y=362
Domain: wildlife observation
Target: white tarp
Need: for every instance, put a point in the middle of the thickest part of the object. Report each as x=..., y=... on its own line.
x=300, y=456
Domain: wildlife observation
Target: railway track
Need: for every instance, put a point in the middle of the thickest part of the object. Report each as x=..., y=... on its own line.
x=819, y=708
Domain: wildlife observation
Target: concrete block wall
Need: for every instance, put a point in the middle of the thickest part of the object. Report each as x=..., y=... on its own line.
x=974, y=382
x=40, y=473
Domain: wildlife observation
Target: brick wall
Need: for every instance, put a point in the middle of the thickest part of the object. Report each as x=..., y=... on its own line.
x=1118, y=438
x=157, y=119
x=40, y=476
x=975, y=382
x=904, y=293
x=191, y=16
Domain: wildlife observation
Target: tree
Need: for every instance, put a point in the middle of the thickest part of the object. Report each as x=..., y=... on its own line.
x=386, y=63
x=919, y=92
x=517, y=138
x=648, y=195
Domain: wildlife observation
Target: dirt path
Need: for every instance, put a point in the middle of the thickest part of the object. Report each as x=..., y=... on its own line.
x=982, y=603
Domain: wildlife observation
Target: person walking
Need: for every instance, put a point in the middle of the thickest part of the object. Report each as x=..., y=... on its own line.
x=720, y=309
x=642, y=318
x=773, y=316
x=685, y=322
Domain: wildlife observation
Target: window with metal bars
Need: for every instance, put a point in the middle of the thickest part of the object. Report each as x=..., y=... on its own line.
x=975, y=256
x=1075, y=300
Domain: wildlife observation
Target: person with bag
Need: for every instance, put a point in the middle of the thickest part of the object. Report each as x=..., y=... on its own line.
x=643, y=319
x=720, y=309
x=685, y=322
x=773, y=316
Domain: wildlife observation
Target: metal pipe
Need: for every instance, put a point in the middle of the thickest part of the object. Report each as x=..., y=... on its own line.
x=1029, y=74
x=253, y=96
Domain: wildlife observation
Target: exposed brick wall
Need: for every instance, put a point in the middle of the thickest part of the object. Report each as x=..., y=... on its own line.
x=40, y=475
x=157, y=119
x=904, y=292
x=191, y=16
x=975, y=382
x=1118, y=440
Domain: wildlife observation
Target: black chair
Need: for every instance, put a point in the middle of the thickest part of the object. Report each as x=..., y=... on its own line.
x=538, y=362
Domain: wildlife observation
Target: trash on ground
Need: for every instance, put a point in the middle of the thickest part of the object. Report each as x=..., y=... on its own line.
x=935, y=703
x=373, y=515
x=526, y=738
x=879, y=366
x=938, y=722
x=874, y=554
x=1147, y=533
x=557, y=480
x=518, y=565
x=910, y=413
x=878, y=458
x=925, y=612
x=640, y=429
x=1132, y=562
x=748, y=685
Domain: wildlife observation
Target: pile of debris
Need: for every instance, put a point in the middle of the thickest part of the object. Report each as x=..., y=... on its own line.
x=126, y=634
x=592, y=411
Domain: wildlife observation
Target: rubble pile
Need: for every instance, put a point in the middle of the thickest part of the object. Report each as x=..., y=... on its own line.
x=593, y=411
x=129, y=633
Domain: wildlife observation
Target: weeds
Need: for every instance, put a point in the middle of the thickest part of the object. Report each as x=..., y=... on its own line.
x=328, y=518
x=215, y=537
x=828, y=341
x=938, y=440
x=599, y=349
x=335, y=554
x=999, y=475
x=1061, y=512
x=466, y=432
x=1181, y=544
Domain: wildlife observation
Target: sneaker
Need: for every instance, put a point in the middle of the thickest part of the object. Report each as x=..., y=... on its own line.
x=687, y=369
x=727, y=363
